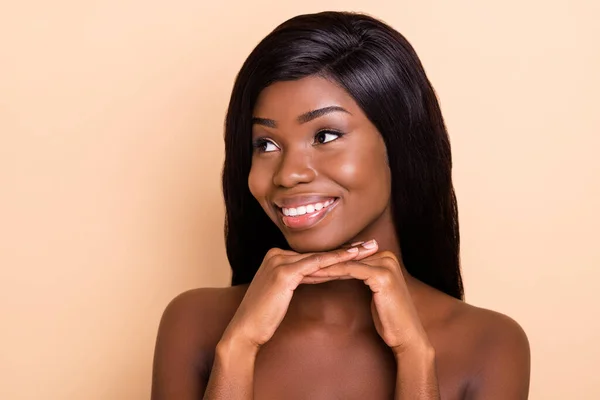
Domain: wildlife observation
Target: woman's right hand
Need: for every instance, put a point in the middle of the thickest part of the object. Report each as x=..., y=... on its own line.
x=269, y=294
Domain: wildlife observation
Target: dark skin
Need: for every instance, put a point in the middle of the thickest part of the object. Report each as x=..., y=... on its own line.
x=322, y=322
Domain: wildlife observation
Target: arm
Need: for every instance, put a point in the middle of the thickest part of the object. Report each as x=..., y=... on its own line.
x=416, y=377
x=232, y=375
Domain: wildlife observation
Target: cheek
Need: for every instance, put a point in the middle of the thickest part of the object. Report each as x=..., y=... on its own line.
x=362, y=170
x=257, y=183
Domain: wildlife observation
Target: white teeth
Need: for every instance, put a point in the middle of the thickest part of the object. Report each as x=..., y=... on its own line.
x=307, y=209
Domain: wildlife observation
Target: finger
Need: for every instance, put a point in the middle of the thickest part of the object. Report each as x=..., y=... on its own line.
x=383, y=259
x=357, y=270
x=317, y=261
x=314, y=280
x=276, y=255
x=280, y=259
x=295, y=257
x=367, y=249
x=347, y=245
x=276, y=251
x=322, y=279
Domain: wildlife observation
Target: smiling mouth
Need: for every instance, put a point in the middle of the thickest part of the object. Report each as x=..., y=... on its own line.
x=306, y=216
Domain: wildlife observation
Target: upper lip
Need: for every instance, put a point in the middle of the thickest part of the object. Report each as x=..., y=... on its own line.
x=301, y=200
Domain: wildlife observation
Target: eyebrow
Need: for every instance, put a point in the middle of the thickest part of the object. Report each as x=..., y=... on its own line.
x=304, y=118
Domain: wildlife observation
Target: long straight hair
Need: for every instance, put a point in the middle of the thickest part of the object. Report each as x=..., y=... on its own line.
x=380, y=70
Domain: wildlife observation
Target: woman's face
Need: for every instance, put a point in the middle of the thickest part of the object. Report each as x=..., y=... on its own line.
x=319, y=165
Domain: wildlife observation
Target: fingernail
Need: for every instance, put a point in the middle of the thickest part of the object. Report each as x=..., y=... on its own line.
x=371, y=244
x=352, y=250
x=356, y=243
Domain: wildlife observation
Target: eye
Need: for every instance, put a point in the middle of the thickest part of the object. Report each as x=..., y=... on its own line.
x=264, y=145
x=323, y=137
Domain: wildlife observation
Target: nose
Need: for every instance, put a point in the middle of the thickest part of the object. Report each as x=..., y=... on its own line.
x=295, y=167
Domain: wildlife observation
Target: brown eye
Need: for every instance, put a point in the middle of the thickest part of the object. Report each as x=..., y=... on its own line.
x=323, y=137
x=264, y=145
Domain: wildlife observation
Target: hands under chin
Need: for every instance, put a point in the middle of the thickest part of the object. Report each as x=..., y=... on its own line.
x=268, y=297
x=394, y=314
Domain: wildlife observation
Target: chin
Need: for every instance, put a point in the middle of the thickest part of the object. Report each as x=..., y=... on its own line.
x=314, y=244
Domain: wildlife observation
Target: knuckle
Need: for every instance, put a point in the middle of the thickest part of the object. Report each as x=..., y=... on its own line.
x=389, y=337
x=318, y=259
x=272, y=252
x=384, y=277
x=276, y=260
x=389, y=259
x=341, y=256
x=280, y=275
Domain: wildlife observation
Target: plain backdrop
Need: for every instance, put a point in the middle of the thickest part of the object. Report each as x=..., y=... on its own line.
x=111, y=117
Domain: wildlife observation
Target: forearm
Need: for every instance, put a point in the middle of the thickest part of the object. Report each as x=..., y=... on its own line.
x=232, y=375
x=416, y=377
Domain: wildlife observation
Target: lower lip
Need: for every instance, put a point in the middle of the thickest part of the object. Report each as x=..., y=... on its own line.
x=307, y=220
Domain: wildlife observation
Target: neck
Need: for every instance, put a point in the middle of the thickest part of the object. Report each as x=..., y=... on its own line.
x=336, y=303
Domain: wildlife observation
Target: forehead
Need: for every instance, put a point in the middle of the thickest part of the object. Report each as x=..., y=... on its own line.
x=289, y=99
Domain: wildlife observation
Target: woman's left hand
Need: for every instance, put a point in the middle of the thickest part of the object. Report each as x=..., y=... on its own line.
x=394, y=313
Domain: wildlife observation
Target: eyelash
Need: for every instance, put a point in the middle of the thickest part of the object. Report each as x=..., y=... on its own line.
x=259, y=143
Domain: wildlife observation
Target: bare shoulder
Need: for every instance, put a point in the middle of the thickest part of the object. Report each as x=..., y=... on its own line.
x=190, y=327
x=492, y=328
x=205, y=306
x=496, y=349
x=201, y=315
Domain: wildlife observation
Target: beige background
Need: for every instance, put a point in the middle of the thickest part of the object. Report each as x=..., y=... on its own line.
x=111, y=147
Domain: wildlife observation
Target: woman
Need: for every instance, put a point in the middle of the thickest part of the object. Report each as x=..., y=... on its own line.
x=342, y=234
